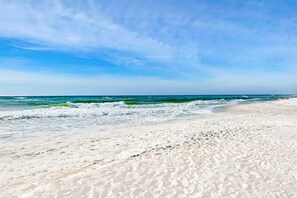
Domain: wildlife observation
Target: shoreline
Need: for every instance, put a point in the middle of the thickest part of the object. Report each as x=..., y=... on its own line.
x=39, y=121
x=110, y=131
x=52, y=164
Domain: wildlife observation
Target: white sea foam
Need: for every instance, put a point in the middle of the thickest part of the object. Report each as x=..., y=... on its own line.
x=96, y=116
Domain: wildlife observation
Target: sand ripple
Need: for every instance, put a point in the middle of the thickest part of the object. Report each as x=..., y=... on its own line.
x=249, y=151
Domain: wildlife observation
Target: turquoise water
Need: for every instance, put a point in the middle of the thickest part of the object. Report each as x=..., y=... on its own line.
x=30, y=117
x=66, y=101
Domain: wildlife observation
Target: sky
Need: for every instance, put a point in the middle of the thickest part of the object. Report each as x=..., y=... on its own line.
x=121, y=47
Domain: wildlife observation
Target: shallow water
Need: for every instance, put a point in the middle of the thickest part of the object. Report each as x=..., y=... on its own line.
x=26, y=117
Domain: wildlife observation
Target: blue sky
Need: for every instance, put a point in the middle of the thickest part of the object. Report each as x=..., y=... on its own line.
x=147, y=47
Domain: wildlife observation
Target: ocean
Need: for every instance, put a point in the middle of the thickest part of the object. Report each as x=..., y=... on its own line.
x=40, y=116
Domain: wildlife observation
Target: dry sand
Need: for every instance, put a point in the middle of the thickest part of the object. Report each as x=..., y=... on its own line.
x=245, y=151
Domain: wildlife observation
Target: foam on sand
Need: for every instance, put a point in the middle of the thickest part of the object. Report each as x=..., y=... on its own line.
x=247, y=151
x=69, y=118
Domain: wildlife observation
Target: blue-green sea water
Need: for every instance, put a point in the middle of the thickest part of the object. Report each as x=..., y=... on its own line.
x=27, y=117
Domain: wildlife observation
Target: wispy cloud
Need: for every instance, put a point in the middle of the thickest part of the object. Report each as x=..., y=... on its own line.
x=172, y=35
x=33, y=48
x=62, y=26
x=198, y=43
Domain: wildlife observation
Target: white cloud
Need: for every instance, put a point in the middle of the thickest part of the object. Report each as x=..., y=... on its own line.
x=55, y=24
x=170, y=39
x=154, y=32
x=33, y=48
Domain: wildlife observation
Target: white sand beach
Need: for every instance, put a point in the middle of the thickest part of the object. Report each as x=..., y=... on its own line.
x=245, y=151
